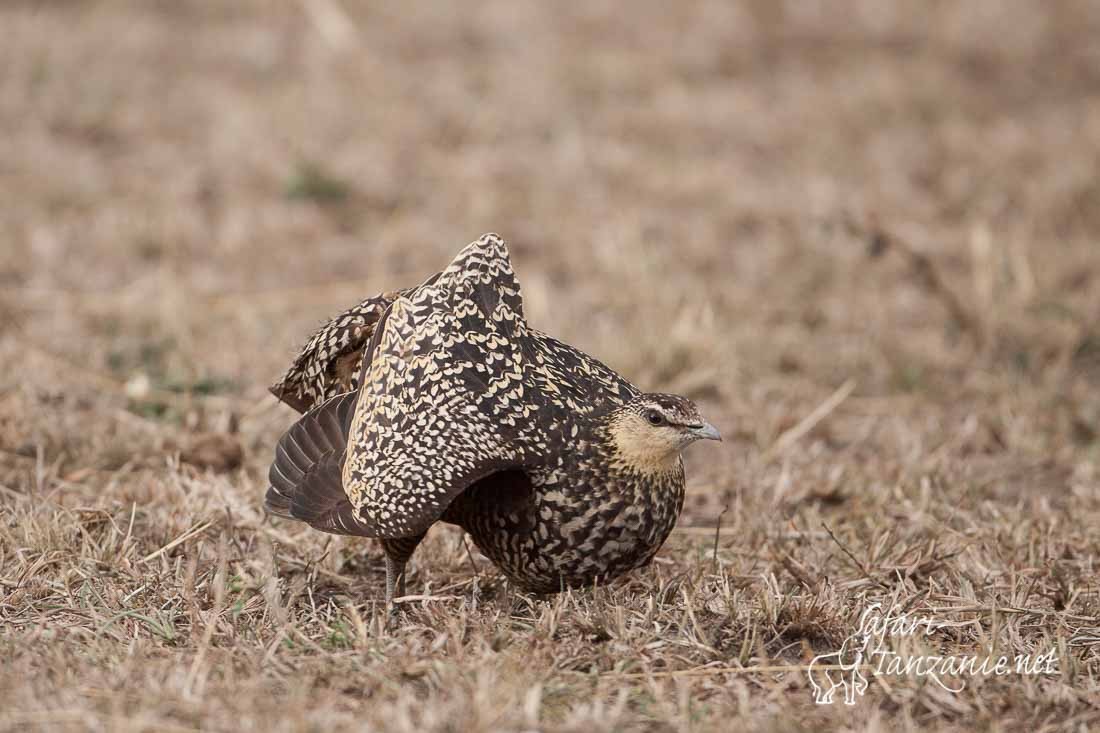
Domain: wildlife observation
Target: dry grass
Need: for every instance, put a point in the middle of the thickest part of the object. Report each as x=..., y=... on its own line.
x=752, y=204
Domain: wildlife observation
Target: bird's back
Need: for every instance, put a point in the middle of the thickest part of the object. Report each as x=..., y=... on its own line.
x=580, y=382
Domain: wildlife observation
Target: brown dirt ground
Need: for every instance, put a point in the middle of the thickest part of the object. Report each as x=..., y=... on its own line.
x=862, y=235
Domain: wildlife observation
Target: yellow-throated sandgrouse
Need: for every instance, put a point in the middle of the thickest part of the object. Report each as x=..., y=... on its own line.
x=440, y=403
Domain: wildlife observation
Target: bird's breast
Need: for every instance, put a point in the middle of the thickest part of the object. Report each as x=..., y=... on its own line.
x=578, y=527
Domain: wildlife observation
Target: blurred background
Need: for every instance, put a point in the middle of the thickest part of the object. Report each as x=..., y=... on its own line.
x=751, y=203
x=863, y=235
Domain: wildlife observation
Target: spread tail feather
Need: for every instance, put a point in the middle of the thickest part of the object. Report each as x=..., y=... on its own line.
x=307, y=475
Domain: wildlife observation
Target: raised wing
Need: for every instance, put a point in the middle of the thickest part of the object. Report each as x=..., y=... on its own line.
x=443, y=400
x=331, y=362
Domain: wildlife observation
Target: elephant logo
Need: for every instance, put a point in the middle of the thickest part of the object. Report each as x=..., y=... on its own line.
x=842, y=668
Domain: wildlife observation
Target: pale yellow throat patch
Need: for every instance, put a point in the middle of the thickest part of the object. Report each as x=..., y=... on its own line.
x=644, y=448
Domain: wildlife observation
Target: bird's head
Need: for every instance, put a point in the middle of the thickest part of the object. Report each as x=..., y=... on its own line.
x=649, y=432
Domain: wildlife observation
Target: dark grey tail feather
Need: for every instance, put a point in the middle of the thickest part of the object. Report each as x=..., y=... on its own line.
x=307, y=474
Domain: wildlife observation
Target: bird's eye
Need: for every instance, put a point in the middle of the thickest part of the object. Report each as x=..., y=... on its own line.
x=655, y=418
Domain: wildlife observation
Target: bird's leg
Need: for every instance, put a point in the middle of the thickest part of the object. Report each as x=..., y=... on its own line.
x=398, y=551
x=394, y=572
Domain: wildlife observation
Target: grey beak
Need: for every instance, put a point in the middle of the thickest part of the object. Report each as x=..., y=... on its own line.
x=706, y=432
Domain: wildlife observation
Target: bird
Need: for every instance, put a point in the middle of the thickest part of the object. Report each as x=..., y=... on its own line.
x=439, y=403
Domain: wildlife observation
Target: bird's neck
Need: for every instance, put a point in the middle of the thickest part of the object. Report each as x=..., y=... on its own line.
x=636, y=466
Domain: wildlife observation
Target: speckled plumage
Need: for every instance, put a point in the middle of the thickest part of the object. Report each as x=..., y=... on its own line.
x=441, y=403
x=329, y=364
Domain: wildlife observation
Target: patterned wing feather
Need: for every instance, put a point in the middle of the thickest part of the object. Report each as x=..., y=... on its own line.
x=443, y=400
x=330, y=363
